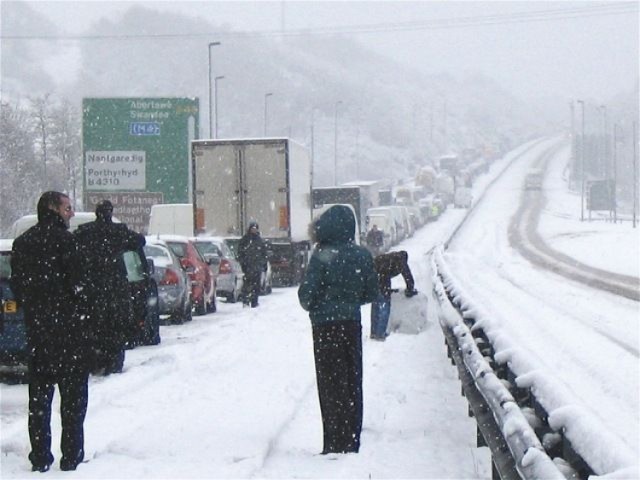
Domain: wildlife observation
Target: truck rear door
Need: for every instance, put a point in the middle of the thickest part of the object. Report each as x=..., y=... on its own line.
x=264, y=177
x=217, y=189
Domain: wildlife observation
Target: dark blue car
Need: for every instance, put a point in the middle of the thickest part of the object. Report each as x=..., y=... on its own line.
x=13, y=342
x=143, y=290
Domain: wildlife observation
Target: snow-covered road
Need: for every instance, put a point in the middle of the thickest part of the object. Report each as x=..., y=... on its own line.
x=232, y=394
x=578, y=344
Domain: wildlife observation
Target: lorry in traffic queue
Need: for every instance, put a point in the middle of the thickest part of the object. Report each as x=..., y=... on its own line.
x=267, y=180
x=171, y=219
x=360, y=198
x=462, y=197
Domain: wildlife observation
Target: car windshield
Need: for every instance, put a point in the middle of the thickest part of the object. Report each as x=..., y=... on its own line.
x=207, y=248
x=226, y=251
x=180, y=249
x=135, y=269
x=5, y=266
x=232, y=243
x=156, y=252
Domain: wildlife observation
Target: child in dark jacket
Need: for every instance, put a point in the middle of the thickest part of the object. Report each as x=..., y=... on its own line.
x=339, y=280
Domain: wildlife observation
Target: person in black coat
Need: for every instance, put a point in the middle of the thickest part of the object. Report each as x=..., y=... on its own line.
x=387, y=266
x=105, y=296
x=252, y=255
x=44, y=267
x=339, y=280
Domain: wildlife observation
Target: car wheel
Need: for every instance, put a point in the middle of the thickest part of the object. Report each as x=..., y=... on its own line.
x=233, y=296
x=201, y=306
x=154, y=335
x=183, y=315
x=212, y=307
x=188, y=311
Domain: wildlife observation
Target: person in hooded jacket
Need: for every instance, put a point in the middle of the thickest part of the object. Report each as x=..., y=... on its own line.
x=106, y=299
x=252, y=255
x=340, y=278
x=44, y=267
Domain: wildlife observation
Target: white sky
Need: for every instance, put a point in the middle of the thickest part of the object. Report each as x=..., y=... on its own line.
x=587, y=57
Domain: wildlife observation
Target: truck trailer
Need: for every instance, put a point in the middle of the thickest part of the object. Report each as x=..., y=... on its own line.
x=267, y=180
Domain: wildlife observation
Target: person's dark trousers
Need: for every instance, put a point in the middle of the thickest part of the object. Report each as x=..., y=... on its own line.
x=338, y=357
x=380, y=311
x=251, y=288
x=73, y=409
x=114, y=361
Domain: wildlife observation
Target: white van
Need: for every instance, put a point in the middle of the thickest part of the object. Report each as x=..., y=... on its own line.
x=405, y=218
x=25, y=222
x=393, y=220
x=171, y=219
x=463, y=197
x=386, y=225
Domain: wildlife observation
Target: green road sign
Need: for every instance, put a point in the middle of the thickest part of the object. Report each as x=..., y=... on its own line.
x=136, y=150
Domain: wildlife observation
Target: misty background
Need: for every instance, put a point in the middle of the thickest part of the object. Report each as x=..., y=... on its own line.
x=381, y=87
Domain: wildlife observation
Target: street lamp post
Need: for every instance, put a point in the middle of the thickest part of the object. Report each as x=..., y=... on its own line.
x=605, y=150
x=635, y=172
x=266, y=96
x=582, y=147
x=215, y=81
x=211, y=44
x=335, y=144
x=313, y=141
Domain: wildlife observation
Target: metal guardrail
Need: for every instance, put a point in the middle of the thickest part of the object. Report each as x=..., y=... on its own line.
x=510, y=421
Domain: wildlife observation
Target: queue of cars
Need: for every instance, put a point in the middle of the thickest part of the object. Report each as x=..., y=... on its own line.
x=173, y=277
x=142, y=288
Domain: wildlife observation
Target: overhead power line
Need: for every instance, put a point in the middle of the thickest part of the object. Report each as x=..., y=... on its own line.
x=531, y=16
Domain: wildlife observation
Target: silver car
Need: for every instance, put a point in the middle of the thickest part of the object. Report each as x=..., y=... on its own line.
x=230, y=277
x=174, y=286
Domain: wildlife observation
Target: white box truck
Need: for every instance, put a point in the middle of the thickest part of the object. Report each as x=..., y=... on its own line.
x=267, y=180
x=171, y=219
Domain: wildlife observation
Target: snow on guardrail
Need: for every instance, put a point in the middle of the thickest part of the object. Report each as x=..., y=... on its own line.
x=593, y=443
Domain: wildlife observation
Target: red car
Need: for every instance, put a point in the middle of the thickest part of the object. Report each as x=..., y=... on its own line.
x=203, y=281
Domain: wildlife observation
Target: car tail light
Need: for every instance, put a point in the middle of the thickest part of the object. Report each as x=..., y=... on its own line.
x=225, y=266
x=170, y=277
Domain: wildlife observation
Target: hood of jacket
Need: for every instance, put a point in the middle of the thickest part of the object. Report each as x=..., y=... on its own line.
x=336, y=225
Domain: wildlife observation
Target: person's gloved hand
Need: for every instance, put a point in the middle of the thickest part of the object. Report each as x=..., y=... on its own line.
x=410, y=293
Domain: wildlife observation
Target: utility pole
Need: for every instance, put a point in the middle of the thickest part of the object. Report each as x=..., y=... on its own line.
x=211, y=44
x=635, y=172
x=266, y=96
x=615, y=172
x=582, y=148
x=215, y=82
x=335, y=143
x=574, y=161
x=313, y=141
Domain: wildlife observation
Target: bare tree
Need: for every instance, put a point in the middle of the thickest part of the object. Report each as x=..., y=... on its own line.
x=64, y=146
x=19, y=177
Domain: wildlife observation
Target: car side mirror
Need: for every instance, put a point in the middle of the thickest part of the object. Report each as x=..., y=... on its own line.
x=213, y=260
x=151, y=267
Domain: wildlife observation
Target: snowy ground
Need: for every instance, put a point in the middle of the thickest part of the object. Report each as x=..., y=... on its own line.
x=232, y=394
x=577, y=346
x=600, y=243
